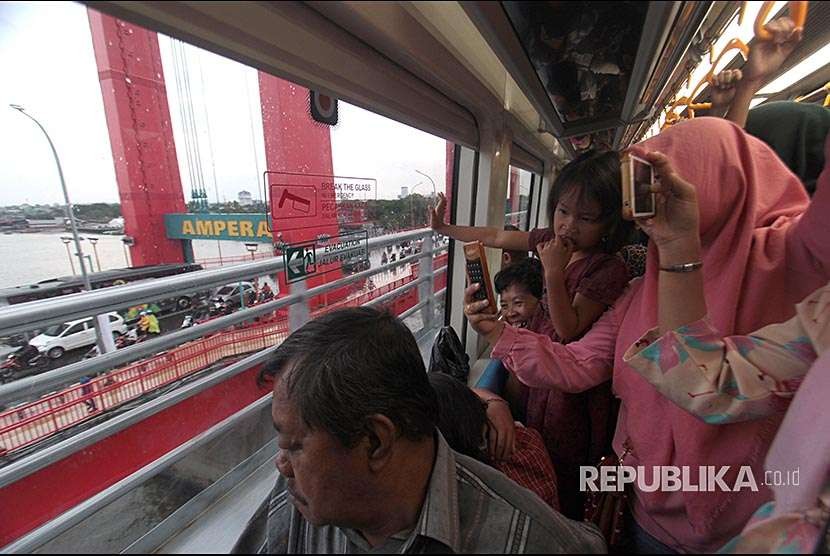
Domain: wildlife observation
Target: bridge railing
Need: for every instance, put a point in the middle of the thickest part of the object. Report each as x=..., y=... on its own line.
x=40, y=314
x=32, y=422
x=28, y=424
x=210, y=262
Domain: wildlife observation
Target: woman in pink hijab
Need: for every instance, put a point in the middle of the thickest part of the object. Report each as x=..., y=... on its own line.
x=737, y=378
x=763, y=248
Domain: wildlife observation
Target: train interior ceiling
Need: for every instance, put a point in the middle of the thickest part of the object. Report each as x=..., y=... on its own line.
x=524, y=83
x=470, y=71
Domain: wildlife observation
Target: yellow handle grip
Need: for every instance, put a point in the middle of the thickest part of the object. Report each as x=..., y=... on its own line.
x=734, y=44
x=798, y=13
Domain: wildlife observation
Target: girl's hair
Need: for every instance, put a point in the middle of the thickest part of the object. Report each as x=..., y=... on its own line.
x=462, y=416
x=527, y=274
x=515, y=256
x=596, y=176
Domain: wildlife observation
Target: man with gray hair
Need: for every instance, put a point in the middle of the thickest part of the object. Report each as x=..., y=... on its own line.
x=363, y=467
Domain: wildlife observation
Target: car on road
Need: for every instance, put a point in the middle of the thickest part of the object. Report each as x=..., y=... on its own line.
x=232, y=295
x=60, y=338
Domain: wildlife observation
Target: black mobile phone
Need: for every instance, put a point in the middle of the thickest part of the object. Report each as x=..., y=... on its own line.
x=477, y=273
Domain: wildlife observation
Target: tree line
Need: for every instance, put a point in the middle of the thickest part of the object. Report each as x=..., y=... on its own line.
x=93, y=212
x=391, y=214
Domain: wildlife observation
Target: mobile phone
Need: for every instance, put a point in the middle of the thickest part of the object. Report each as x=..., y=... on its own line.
x=477, y=273
x=637, y=179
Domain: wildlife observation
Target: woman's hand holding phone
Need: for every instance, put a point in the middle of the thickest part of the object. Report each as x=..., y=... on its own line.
x=675, y=222
x=479, y=316
x=676, y=232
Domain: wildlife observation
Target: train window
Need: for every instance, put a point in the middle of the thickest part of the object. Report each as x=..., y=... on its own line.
x=223, y=201
x=380, y=176
x=519, y=193
x=264, y=171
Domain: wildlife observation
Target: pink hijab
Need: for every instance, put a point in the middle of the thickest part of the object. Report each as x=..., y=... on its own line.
x=749, y=204
x=803, y=441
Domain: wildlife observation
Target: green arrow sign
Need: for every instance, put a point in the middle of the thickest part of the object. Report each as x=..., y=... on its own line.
x=300, y=262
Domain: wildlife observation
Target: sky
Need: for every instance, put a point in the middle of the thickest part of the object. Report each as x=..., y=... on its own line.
x=48, y=66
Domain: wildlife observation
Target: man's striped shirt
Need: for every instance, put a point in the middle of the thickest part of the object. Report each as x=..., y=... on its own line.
x=469, y=508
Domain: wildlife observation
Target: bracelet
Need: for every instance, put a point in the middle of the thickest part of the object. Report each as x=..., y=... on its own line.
x=488, y=401
x=684, y=267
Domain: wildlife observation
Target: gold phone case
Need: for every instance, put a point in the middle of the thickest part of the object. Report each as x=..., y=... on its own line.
x=627, y=172
x=625, y=184
x=474, y=253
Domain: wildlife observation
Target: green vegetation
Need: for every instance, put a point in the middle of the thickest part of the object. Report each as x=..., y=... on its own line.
x=397, y=214
x=389, y=214
x=98, y=212
x=95, y=212
x=232, y=207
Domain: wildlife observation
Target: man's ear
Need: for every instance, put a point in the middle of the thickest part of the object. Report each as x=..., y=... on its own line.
x=381, y=434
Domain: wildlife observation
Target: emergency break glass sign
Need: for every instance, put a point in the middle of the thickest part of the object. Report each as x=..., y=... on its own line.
x=328, y=213
x=306, y=201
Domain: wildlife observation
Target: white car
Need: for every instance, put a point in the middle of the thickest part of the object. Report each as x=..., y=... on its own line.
x=232, y=295
x=60, y=338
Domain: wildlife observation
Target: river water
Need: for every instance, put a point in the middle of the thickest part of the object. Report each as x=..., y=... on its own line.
x=26, y=258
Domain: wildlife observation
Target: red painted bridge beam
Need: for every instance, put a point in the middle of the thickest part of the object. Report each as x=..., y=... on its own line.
x=141, y=136
x=295, y=143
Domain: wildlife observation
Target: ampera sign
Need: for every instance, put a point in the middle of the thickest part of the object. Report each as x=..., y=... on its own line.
x=228, y=227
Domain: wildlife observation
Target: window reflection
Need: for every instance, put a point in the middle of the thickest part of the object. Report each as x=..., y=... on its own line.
x=519, y=190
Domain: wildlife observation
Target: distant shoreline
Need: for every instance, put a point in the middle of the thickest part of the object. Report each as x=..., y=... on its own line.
x=56, y=231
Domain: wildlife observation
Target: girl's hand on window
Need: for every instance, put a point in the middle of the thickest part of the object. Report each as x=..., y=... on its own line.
x=437, y=213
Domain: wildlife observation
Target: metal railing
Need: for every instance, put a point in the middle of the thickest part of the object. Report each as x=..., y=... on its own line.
x=43, y=457
x=78, y=397
x=48, y=531
x=37, y=314
x=519, y=213
x=31, y=423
